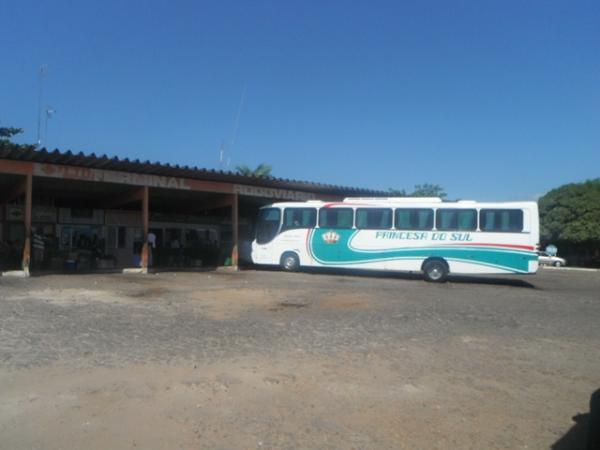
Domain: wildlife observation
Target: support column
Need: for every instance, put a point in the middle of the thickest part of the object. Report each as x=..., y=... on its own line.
x=234, y=231
x=27, y=244
x=145, y=224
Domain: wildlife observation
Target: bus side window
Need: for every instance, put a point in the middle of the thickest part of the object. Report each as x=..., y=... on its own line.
x=414, y=219
x=501, y=220
x=294, y=218
x=374, y=218
x=456, y=219
x=336, y=218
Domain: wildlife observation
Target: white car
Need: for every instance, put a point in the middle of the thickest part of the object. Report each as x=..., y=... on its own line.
x=545, y=258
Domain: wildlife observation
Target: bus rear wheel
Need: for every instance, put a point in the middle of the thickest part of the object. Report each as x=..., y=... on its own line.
x=435, y=270
x=289, y=262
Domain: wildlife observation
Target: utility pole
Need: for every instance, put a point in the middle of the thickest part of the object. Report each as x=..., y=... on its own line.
x=41, y=75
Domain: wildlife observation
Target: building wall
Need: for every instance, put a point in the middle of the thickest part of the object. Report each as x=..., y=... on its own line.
x=118, y=233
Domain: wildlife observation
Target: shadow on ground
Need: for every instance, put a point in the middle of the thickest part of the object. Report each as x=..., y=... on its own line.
x=42, y=273
x=497, y=281
x=585, y=434
x=576, y=437
x=463, y=279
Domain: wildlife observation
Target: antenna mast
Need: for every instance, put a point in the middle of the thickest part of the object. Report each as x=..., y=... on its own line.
x=221, y=154
x=41, y=74
x=237, y=117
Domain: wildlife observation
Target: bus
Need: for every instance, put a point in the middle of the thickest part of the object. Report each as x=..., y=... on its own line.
x=410, y=234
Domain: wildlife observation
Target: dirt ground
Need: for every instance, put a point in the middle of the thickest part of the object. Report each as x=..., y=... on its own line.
x=270, y=360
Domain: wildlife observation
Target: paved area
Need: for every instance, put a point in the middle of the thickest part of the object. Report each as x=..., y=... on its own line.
x=263, y=359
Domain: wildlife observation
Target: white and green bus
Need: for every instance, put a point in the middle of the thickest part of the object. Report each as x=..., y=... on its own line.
x=400, y=234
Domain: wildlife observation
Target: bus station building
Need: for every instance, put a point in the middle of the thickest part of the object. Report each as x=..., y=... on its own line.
x=81, y=212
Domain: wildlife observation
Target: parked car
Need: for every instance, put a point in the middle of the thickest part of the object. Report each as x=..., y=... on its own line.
x=549, y=260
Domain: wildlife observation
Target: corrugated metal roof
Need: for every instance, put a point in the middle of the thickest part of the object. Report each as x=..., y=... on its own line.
x=20, y=153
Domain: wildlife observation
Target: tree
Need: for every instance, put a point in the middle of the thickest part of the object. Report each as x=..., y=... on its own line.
x=262, y=170
x=8, y=132
x=428, y=190
x=397, y=192
x=570, y=219
x=421, y=190
x=571, y=213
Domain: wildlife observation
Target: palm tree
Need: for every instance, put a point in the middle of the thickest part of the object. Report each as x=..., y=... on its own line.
x=262, y=170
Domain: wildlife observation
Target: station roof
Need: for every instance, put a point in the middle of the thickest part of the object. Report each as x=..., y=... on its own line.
x=15, y=152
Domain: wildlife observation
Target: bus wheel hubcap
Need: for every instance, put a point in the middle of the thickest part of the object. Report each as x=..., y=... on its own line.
x=435, y=273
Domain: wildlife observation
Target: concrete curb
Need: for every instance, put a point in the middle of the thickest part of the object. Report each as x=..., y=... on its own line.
x=135, y=270
x=15, y=274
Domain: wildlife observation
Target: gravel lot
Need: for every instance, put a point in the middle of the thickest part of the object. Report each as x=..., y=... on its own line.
x=269, y=360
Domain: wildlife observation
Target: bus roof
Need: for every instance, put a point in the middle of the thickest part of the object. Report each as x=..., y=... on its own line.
x=394, y=202
x=379, y=200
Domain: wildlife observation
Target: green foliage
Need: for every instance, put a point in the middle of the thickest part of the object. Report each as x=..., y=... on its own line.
x=5, y=144
x=421, y=190
x=8, y=132
x=262, y=170
x=428, y=190
x=571, y=213
x=397, y=192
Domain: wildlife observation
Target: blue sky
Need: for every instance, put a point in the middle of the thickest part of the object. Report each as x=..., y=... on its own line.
x=494, y=100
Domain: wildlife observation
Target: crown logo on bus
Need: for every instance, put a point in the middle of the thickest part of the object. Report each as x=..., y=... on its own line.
x=331, y=237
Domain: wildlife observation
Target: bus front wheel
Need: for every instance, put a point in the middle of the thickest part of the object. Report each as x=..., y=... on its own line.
x=290, y=262
x=435, y=270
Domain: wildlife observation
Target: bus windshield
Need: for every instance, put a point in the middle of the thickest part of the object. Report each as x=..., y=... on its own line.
x=267, y=225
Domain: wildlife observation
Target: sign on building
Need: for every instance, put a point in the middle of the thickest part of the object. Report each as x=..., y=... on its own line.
x=16, y=213
x=283, y=194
